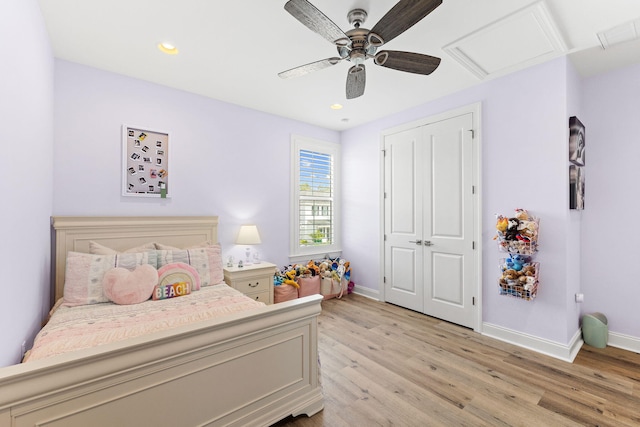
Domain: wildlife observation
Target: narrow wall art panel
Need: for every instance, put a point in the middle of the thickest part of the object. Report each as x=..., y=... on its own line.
x=576, y=168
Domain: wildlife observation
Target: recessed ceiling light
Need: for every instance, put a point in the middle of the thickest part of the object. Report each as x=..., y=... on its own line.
x=336, y=106
x=168, y=48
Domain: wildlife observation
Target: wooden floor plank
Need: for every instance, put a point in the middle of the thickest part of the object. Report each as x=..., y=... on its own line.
x=382, y=365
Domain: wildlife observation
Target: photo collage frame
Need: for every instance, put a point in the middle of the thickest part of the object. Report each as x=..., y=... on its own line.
x=145, y=162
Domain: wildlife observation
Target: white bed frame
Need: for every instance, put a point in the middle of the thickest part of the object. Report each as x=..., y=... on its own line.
x=240, y=370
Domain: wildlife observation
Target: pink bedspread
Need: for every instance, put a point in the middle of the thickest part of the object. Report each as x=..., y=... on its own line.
x=75, y=328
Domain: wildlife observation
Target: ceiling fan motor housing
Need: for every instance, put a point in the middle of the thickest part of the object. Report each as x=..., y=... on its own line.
x=360, y=48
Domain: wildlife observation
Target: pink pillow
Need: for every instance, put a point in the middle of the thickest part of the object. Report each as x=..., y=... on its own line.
x=130, y=287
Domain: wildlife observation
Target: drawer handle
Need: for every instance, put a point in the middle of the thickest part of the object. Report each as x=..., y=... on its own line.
x=253, y=286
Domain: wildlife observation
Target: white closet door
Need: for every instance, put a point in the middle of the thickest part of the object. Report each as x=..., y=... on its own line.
x=403, y=220
x=429, y=219
x=448, y=220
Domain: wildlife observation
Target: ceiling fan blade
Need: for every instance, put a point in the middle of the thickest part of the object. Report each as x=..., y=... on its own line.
x=356, y=79
x=407, y=61
x=317, y=21
x=308, y=68
x=404, y=15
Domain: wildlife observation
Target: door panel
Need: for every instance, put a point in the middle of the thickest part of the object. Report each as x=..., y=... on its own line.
x=446, y=186
x=448, y=218
x=402, y=185
x=403, y=228
x=403, y=279
x=447, y=280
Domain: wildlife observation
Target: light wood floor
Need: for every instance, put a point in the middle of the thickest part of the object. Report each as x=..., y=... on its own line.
x=386, y=366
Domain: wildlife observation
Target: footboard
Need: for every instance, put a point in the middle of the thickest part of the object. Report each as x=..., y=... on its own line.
x=241, y=370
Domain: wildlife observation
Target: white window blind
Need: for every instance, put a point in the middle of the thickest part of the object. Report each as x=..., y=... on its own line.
x=315, y=210
x=315, y=226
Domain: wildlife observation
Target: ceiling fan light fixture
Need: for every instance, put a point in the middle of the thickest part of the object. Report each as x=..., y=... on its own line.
x=168, y=48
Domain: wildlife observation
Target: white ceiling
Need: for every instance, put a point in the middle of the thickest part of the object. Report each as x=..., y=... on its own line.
x=233, y=50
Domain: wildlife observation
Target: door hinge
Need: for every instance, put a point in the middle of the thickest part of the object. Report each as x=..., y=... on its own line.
x=385, y=237
x=385, y=194
x=384, y=279
x=473, y=133
x=473, y=245
x=473, y=189
x=384, y=152
x=473, y=300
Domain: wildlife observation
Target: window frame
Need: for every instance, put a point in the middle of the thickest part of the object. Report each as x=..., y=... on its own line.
x=298, y=253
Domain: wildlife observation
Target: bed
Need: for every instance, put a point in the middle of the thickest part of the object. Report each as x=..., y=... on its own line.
x=243, y=369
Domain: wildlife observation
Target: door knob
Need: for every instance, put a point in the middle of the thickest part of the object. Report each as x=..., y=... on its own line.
x=428, y=243
x=417, y=242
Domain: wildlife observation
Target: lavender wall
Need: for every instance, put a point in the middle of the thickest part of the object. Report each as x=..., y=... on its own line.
x=574, y=219
x=610, y=285
x=226, y=160
x=524, y=134
x=26, y=171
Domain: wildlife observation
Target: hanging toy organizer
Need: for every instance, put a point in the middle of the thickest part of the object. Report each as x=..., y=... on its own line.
x=518, y=236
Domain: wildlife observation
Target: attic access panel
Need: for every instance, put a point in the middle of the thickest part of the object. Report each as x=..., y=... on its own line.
x=524, y=38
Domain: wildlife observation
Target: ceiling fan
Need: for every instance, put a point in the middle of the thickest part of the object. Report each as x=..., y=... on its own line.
x=359, y=44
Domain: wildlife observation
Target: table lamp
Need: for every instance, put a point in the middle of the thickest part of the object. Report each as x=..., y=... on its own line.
x=248, y=235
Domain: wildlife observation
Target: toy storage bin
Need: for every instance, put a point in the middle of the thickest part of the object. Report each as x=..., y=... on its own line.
x=518, y=284
x=595, y=330
x=333, y=288
x=282, y=293
x=520, y=246
x=309, y=285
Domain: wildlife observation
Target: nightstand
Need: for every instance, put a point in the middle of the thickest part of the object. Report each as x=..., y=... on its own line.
x=255, y=280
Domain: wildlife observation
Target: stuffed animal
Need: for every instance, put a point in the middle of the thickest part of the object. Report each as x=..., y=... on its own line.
x=313, y=268
x=512, y=229
x=290, y=279
x=529, y=270
x=502, y=223
x=518, y=262
x=522, y=215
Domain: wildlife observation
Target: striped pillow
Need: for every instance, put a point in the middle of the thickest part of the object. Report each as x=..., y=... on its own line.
x=206, y=260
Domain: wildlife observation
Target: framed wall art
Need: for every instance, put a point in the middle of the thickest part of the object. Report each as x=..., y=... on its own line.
x=577, y=142
x=145, y=162
x=576, y=187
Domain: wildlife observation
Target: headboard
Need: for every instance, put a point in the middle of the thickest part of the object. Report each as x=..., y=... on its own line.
x=73, y=233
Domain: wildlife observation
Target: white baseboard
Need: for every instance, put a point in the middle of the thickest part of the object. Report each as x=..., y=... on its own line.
x=566, y=352
x=625, y=342
x=367, y=292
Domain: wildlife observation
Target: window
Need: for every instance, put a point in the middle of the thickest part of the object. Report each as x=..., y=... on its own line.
x=315, y=201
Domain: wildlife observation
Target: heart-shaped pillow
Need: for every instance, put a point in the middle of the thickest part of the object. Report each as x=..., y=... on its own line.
x=130, y=287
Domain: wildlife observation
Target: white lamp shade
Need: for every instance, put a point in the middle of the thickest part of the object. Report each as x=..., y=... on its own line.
x=248, y=235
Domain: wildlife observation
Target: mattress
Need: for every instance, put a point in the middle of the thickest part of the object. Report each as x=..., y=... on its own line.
x=86, y=326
